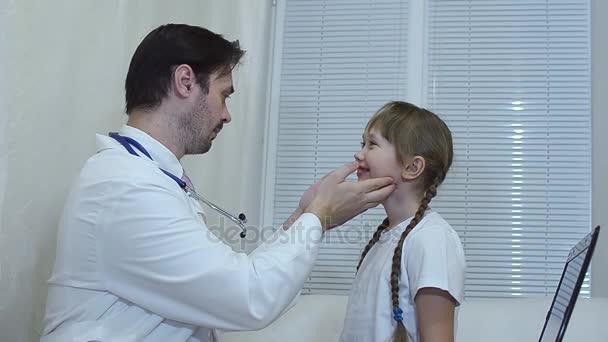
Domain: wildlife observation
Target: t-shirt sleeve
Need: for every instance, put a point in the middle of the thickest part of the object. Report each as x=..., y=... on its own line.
x=434, y=257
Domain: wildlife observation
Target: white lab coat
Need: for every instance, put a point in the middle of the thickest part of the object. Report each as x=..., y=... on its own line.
x=136, y=262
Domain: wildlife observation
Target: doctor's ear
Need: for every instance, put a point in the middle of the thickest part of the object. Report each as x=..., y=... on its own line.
x=183, y=80
x=413, y=168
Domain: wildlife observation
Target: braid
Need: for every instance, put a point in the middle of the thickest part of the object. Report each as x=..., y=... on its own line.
x=373, y=240
x=400, y=332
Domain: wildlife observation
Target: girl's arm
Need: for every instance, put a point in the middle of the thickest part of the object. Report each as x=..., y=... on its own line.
x=435, y=315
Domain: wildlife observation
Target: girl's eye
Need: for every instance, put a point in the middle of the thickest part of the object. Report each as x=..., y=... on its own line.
x=369, y=143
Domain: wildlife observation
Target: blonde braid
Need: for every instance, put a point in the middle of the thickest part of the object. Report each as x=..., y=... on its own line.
x=373, y=240
x=400, y=334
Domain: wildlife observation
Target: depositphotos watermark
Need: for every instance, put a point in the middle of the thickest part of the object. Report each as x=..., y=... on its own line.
x=351, y=233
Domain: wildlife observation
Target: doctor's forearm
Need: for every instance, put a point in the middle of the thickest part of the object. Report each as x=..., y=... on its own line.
x=292, y=218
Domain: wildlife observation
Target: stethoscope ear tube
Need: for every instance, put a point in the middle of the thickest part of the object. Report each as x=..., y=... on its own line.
x=240, y=221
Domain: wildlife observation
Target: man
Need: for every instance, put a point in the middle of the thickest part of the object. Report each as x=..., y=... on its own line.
x=135, y=261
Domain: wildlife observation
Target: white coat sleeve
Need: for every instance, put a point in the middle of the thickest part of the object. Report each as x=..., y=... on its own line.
x=158, y=256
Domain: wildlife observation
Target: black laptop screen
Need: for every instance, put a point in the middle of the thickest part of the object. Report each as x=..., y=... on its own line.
x=568, y=289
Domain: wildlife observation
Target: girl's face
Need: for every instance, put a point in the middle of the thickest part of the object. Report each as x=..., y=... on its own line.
x=377, y=158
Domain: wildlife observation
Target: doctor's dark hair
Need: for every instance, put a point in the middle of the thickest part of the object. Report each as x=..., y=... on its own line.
x=162, y=50
x=414, y=132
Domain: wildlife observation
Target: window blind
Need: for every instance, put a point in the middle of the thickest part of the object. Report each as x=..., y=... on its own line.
x=512, y=80
x=341, y=61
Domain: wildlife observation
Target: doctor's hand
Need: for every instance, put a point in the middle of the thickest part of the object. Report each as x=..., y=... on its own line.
x=336, y=201
x=309, y=194
x=305, y=201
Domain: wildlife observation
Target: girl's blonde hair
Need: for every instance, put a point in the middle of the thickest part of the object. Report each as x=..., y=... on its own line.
x=414, y=132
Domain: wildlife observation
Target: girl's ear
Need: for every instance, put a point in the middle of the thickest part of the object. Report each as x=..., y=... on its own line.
x=413, y=168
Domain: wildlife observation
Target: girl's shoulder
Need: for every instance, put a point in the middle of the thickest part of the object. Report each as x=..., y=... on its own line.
x=433, y=229
x=432, y=222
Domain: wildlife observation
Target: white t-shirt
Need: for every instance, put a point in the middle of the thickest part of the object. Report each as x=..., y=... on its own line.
x=432, y=257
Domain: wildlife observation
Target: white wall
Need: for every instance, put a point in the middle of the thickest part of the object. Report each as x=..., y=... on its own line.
x=599, y=69
x=65, y=63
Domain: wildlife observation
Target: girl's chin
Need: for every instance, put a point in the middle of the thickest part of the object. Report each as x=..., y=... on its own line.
x=362, y=175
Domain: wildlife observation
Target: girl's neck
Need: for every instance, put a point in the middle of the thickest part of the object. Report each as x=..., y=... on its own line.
x=400, y=206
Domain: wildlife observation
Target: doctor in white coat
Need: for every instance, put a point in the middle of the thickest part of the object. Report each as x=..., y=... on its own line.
x=135, y=260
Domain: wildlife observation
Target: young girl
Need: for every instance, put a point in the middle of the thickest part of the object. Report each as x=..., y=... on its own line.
x=411, y=274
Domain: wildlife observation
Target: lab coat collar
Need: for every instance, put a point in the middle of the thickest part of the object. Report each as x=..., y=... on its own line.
x=161, y=155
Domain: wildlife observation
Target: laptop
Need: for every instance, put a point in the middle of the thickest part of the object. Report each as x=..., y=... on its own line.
x=568, y=288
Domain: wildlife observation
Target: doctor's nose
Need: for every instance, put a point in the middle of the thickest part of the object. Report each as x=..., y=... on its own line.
x=226, y=118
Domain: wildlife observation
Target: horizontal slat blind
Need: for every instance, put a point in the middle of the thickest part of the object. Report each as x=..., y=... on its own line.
x=512, y=80
x=341, y=60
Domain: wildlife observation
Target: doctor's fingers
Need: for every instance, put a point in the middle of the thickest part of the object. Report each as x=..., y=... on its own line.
x=374, y=197
x=373, y=184
x=321, y=180
x=340, y=174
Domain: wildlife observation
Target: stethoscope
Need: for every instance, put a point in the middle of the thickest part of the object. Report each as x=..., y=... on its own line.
x=127, y=143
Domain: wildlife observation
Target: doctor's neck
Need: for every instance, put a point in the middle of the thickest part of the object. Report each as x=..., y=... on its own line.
x=161, y=126
x=401, y=204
